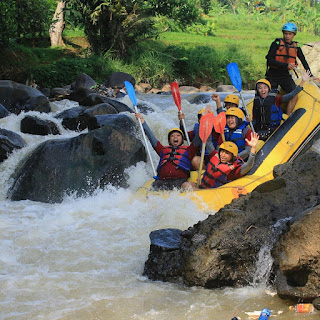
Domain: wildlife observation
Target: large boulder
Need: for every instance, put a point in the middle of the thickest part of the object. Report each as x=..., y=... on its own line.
x=224, y=249
x=94, y=98
x=84, y=81
x=117, y=79
x=35, y=125
x=73, y=119
x=78, y=165
x=99, y=109
x=3, y=111
x=17, y=97
x=121, y=120
x=297, y=258
x=9, y=141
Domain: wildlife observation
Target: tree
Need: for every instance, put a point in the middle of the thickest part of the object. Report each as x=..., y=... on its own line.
x=115, y=25
x=185, y=12
x=8, y=26
x=32, y=18
x=57, y=25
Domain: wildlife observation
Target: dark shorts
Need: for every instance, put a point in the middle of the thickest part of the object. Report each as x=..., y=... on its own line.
x=283, y=80
x=167, y=184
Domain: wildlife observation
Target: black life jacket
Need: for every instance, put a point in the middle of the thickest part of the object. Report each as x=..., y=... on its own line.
x=265, y=112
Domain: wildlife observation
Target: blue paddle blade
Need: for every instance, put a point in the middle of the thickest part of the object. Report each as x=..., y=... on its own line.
x=235, y=75
x=131, y=92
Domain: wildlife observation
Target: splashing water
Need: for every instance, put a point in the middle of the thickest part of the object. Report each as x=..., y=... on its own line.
x=83, y=258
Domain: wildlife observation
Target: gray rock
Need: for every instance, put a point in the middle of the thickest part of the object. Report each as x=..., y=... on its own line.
x=9, y=141
x=3, y=111
x=297, y=258
x=226, y=88
x=222, y=250
x=77, y=166
x=73, y=119
x=34, y=125
x=117, y=79
x=17, y=97
x=120, y=120
x=84, y=82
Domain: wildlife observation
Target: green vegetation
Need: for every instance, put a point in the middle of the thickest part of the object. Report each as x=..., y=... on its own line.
x=149, y=41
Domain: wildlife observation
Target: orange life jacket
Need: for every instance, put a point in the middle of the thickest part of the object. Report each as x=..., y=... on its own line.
x=216, y=173
x=287, y=53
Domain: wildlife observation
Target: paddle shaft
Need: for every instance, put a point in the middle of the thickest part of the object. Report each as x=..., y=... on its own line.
x=201, y=163
x=146, y=143
x=247, y=113
x=185, y=130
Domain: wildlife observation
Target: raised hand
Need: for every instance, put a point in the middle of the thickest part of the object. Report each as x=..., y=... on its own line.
x=253, y=141
x=180, y=116
x=139, y=116
x=215, y=97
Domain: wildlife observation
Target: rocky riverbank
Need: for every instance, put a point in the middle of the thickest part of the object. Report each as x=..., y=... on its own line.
x=275, y=229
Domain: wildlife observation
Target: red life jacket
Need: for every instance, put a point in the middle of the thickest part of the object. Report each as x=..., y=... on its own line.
x=216, y=173
x=287, y=53
x=179, y=155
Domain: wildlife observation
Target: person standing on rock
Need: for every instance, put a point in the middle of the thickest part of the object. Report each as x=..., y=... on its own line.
x=175, y=159
x=281, y=58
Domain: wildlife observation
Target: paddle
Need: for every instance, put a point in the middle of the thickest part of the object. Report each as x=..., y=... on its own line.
x=177, y=100
x=235, y=77
x=220, y=123
x=132, y=96
x=205, y=129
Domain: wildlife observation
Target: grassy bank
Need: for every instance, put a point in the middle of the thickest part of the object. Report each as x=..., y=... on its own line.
x=192, y=58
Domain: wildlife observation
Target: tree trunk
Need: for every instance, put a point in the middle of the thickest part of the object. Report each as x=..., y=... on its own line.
x=57, y=25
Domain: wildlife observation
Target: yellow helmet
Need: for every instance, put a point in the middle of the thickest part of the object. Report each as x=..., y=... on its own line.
x=229, y=146
x=235, y=112
x=175, y=130
x=232, y=98
x=265, y=81
x=201, y=112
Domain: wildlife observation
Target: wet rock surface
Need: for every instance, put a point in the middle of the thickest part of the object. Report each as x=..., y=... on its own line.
x=78, y=166
x=223, y=250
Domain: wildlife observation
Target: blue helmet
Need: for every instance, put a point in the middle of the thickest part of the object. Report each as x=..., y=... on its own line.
x=290, y=26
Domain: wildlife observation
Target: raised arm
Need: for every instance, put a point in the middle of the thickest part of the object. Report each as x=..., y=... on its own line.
x=147, y=130
x=305, y=76
x=252, y=156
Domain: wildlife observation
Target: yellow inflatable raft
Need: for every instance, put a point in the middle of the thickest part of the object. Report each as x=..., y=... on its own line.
x=284, y=145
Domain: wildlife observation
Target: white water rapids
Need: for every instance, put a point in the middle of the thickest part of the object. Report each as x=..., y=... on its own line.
x=84, y=258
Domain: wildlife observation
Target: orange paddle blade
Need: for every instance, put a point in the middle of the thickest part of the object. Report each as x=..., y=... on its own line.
x=206, y=125
x=220, y=122
x=176, y=94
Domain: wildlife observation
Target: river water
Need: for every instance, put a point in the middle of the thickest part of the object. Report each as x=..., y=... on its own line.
x=83, y=258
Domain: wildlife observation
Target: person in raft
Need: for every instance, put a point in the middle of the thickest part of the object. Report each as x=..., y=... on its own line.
x=281, y=58
x=195, y=132
x=224, y=165
x=267, y=113
x=175, y=159
x=237, y=131
x=230, y=101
